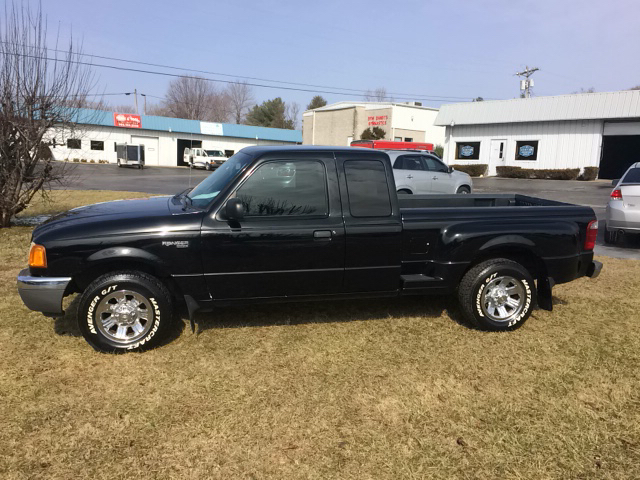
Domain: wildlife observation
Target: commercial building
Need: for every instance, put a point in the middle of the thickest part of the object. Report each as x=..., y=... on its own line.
x=164, y=138
x=566, y=131
x=341, y=123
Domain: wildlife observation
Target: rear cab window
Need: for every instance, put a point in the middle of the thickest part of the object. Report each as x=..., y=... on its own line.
x=367, y=188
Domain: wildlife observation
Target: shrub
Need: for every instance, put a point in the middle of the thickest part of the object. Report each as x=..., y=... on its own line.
x=76, y=160
x=439, y=150
x=92, y=161
x=589, y=174
x=475, y=170
x=539, y=173
x=512, y=172
x=83, y=160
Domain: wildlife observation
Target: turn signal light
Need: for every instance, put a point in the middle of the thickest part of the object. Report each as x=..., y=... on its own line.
x=37, y=256
x=592, y=233
x=616, y=194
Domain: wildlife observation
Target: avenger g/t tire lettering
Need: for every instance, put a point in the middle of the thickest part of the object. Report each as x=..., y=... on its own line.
x=497, y=294
x=124, y=311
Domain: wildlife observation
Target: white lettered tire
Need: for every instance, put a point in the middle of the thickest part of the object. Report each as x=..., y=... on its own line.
x=498, y=294
x=125, y=311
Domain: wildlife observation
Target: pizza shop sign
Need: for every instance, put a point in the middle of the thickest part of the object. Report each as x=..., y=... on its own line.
x=377, y=120
x=126, y=120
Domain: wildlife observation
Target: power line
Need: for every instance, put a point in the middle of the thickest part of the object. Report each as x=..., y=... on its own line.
x=526, y=84
x=138, y=70
x=403, y=96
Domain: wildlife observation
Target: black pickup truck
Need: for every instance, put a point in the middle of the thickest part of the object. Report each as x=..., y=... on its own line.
x=301, y=223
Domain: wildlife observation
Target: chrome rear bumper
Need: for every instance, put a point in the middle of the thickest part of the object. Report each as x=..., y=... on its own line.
x=42, y=294
x=594, y=269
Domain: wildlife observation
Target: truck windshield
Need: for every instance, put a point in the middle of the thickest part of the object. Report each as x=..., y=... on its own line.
x=211, y=186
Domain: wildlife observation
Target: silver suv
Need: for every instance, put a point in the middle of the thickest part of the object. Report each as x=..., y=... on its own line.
x=422, y=172
x=623, y=209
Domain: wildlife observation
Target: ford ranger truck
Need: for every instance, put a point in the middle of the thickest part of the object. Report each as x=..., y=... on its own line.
x=281, y=224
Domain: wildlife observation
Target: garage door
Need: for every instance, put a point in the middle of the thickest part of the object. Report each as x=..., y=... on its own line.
x=618, y=153
x=150, y=149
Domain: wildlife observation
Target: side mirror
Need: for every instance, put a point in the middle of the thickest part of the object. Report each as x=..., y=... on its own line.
x=450, y=169
x=234, y=210
x=614, y=182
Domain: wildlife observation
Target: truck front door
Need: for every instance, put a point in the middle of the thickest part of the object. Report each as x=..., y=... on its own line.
x=291, y=241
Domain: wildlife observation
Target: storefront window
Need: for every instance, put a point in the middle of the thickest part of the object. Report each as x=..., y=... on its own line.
x=467, y=150
x=527, y=150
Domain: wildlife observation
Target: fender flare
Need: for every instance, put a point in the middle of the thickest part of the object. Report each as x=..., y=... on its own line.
x=125, y=254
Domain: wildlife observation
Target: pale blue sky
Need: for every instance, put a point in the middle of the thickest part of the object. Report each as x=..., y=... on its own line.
x=452, y=48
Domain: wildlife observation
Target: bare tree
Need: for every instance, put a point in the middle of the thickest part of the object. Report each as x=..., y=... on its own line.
x=240, y=100
x=195, y=98
x=292, y=112
x=123, y=108
x=40, y=91
x=377, y=95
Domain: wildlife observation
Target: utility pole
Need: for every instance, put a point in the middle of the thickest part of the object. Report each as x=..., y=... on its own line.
x=527, y=83
x=135, y=93
x=145, y=103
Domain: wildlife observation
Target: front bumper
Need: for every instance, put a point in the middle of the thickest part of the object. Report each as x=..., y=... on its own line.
x=594, y=269
x=42, y=294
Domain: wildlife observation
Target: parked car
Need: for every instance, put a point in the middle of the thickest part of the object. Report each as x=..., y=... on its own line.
x=623, y=209
x=130, y=155
x=423, y=173
x=297, y=224
x=200, y=158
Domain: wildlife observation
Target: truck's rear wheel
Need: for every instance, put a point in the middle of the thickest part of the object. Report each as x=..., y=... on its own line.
x=497, y=294
x=125, y=311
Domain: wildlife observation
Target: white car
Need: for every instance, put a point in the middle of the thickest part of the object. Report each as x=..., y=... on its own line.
x=423, y=173
x=623, y=209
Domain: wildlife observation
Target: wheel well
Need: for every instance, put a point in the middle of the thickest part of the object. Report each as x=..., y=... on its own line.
x=529, y=260
x=83, y=279
x=405, y=190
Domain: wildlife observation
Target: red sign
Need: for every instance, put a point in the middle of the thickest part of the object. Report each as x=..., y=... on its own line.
x=127, y=120
x=377, y=120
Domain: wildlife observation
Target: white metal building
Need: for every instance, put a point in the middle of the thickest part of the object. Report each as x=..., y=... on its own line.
x=341, y=123
x=164, y=138
x=565, y=131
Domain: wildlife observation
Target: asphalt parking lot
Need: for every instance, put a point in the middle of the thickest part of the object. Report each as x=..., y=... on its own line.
x=170, y=180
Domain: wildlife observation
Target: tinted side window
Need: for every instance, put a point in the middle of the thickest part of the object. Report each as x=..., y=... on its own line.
x=368, y=189
x=632, y=176
x=286, y=189
x=435, y=165
x=408, y=162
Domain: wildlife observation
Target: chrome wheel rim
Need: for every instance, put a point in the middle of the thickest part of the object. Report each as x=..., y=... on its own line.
x=503, y=298
x=124, y=316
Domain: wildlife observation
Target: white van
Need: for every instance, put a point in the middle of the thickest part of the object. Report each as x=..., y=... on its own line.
x=201, y=158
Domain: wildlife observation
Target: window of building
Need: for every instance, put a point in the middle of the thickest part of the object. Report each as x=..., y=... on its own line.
x=467, y=150
x=367, y=188
x=97, y=145
x=229, y=153
x=397, y=139
x=286, y=189
x=74, y=143
x=408, y=139
x=408, y=162
x=527, y=150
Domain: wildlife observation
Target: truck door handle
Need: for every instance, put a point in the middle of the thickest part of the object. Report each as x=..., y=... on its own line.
x=322, y=234
x=409, y=176
x=435, y=177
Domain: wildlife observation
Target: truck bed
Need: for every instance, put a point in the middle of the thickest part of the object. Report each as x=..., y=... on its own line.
x=474, y=200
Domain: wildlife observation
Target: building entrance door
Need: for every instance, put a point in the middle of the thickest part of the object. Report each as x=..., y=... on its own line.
x=497, y=155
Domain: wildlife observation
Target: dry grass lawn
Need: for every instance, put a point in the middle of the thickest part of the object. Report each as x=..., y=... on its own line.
x=362, y=389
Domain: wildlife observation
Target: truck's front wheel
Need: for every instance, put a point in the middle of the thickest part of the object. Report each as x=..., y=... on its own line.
x=497, y=294
x=124, y=311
